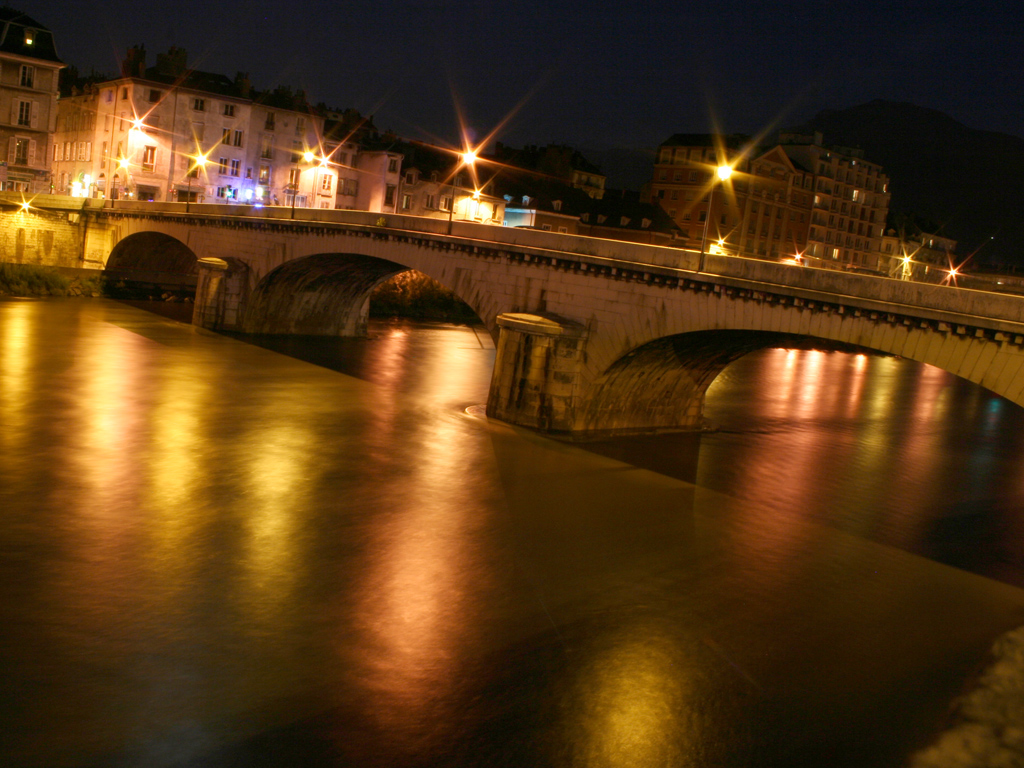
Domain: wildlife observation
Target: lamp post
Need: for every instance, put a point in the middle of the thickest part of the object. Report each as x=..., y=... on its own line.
x=199, y=162
x=466, y=158
x=122, y=164
x=723, y=172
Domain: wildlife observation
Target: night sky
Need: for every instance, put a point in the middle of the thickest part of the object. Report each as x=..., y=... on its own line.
x=589, y=74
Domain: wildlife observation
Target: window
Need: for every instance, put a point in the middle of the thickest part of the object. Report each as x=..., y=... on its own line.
x=264, y=177
x=56, y=152
x=30, y=37
x=327, y=183
x=27, y=76
x=410, y=178
x=266, y=148
x=556, y=204
x=430, y=201
x=349, y=187
x=154, y=95
x=546, y=227
x=24, y=112
x=222, y=165
x=393, y=165
x=693, y=176
x=269, y=124
x=229, y=110
x=446, y=203
x=222, y=192
x=248, y=172
x=300, y=126
x=237, y=139
x=341, y=158
x=199, y=105
x=703, y=216
x=148, y=158
x=564, y=230
x=21, y=151
x=406, y=202
x=225, y=136
x=293, y=177
x=389, y=193
x=236, y=167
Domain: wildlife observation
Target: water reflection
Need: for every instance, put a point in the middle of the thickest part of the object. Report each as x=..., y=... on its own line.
x=216, y=555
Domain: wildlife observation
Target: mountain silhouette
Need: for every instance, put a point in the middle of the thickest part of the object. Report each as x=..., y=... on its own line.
x=966, y=180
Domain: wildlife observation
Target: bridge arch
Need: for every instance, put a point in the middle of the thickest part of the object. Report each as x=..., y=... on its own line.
x=663, y=383
x=152, y=252
x=325, y=294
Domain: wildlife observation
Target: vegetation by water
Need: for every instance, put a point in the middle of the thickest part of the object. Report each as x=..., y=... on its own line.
x=416, y=296
x=36, y=280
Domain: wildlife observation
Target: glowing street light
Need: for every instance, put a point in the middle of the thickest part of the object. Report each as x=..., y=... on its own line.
x=309, y=157
x=198, y=164
x=724, y=172
x=465, y=158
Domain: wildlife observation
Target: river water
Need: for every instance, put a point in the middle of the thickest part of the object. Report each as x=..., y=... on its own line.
x=216, y=554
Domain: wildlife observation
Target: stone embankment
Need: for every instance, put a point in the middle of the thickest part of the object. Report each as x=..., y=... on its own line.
x=988, y=722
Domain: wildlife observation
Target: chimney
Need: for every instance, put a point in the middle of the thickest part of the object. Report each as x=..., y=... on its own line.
x=134, y=64
x=174, y=63
x=242, y=84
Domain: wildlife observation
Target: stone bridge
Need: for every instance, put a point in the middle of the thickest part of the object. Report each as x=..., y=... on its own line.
x=592, y=335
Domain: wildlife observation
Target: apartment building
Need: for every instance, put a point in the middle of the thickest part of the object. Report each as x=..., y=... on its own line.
x=171, y=133
x=797, y=199
x=29, y=68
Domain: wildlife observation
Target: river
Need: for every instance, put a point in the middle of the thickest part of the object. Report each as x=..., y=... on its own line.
x=216, y=554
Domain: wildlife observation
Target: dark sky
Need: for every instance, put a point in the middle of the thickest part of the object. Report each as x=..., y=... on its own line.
x=593, y=74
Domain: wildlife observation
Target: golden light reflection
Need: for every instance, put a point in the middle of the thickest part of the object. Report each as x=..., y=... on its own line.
x=177, y=469
x=635, y=705
x=422, y=589
x=17, y=355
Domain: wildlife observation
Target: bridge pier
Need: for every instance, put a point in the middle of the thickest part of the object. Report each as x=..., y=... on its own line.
x=218, y=295
x=537, y=366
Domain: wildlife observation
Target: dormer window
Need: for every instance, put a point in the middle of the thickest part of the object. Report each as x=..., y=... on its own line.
x=585, y=217
x=623, y=221
x=30, y=37
x=433, y=175
x=526, y=199
x=410, y=177
x=601, y=218
x=645, y=223
x=557, y=205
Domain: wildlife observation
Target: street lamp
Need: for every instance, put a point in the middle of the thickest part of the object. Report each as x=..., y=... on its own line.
x=122, y=164
x=465, y=158
x=309, y=157
x=199, y=163
x=724, y=172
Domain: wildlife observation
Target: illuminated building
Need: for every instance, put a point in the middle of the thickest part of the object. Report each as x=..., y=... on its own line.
x=441, y=184
x=796, y=199
x=918, y=255
x=138, y=136
x=28, y=101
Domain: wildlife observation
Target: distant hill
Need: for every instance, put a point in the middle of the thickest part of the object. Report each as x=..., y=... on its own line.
x=965, y=179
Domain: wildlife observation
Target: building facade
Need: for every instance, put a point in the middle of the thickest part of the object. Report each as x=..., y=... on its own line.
x=794, y=200
x=29, y=68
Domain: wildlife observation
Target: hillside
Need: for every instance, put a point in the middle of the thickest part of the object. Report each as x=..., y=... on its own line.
x=963, y=178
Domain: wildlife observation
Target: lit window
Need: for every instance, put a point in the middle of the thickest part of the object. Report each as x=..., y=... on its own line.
x=30, y=37
x=149, y=158
x=327, y=183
